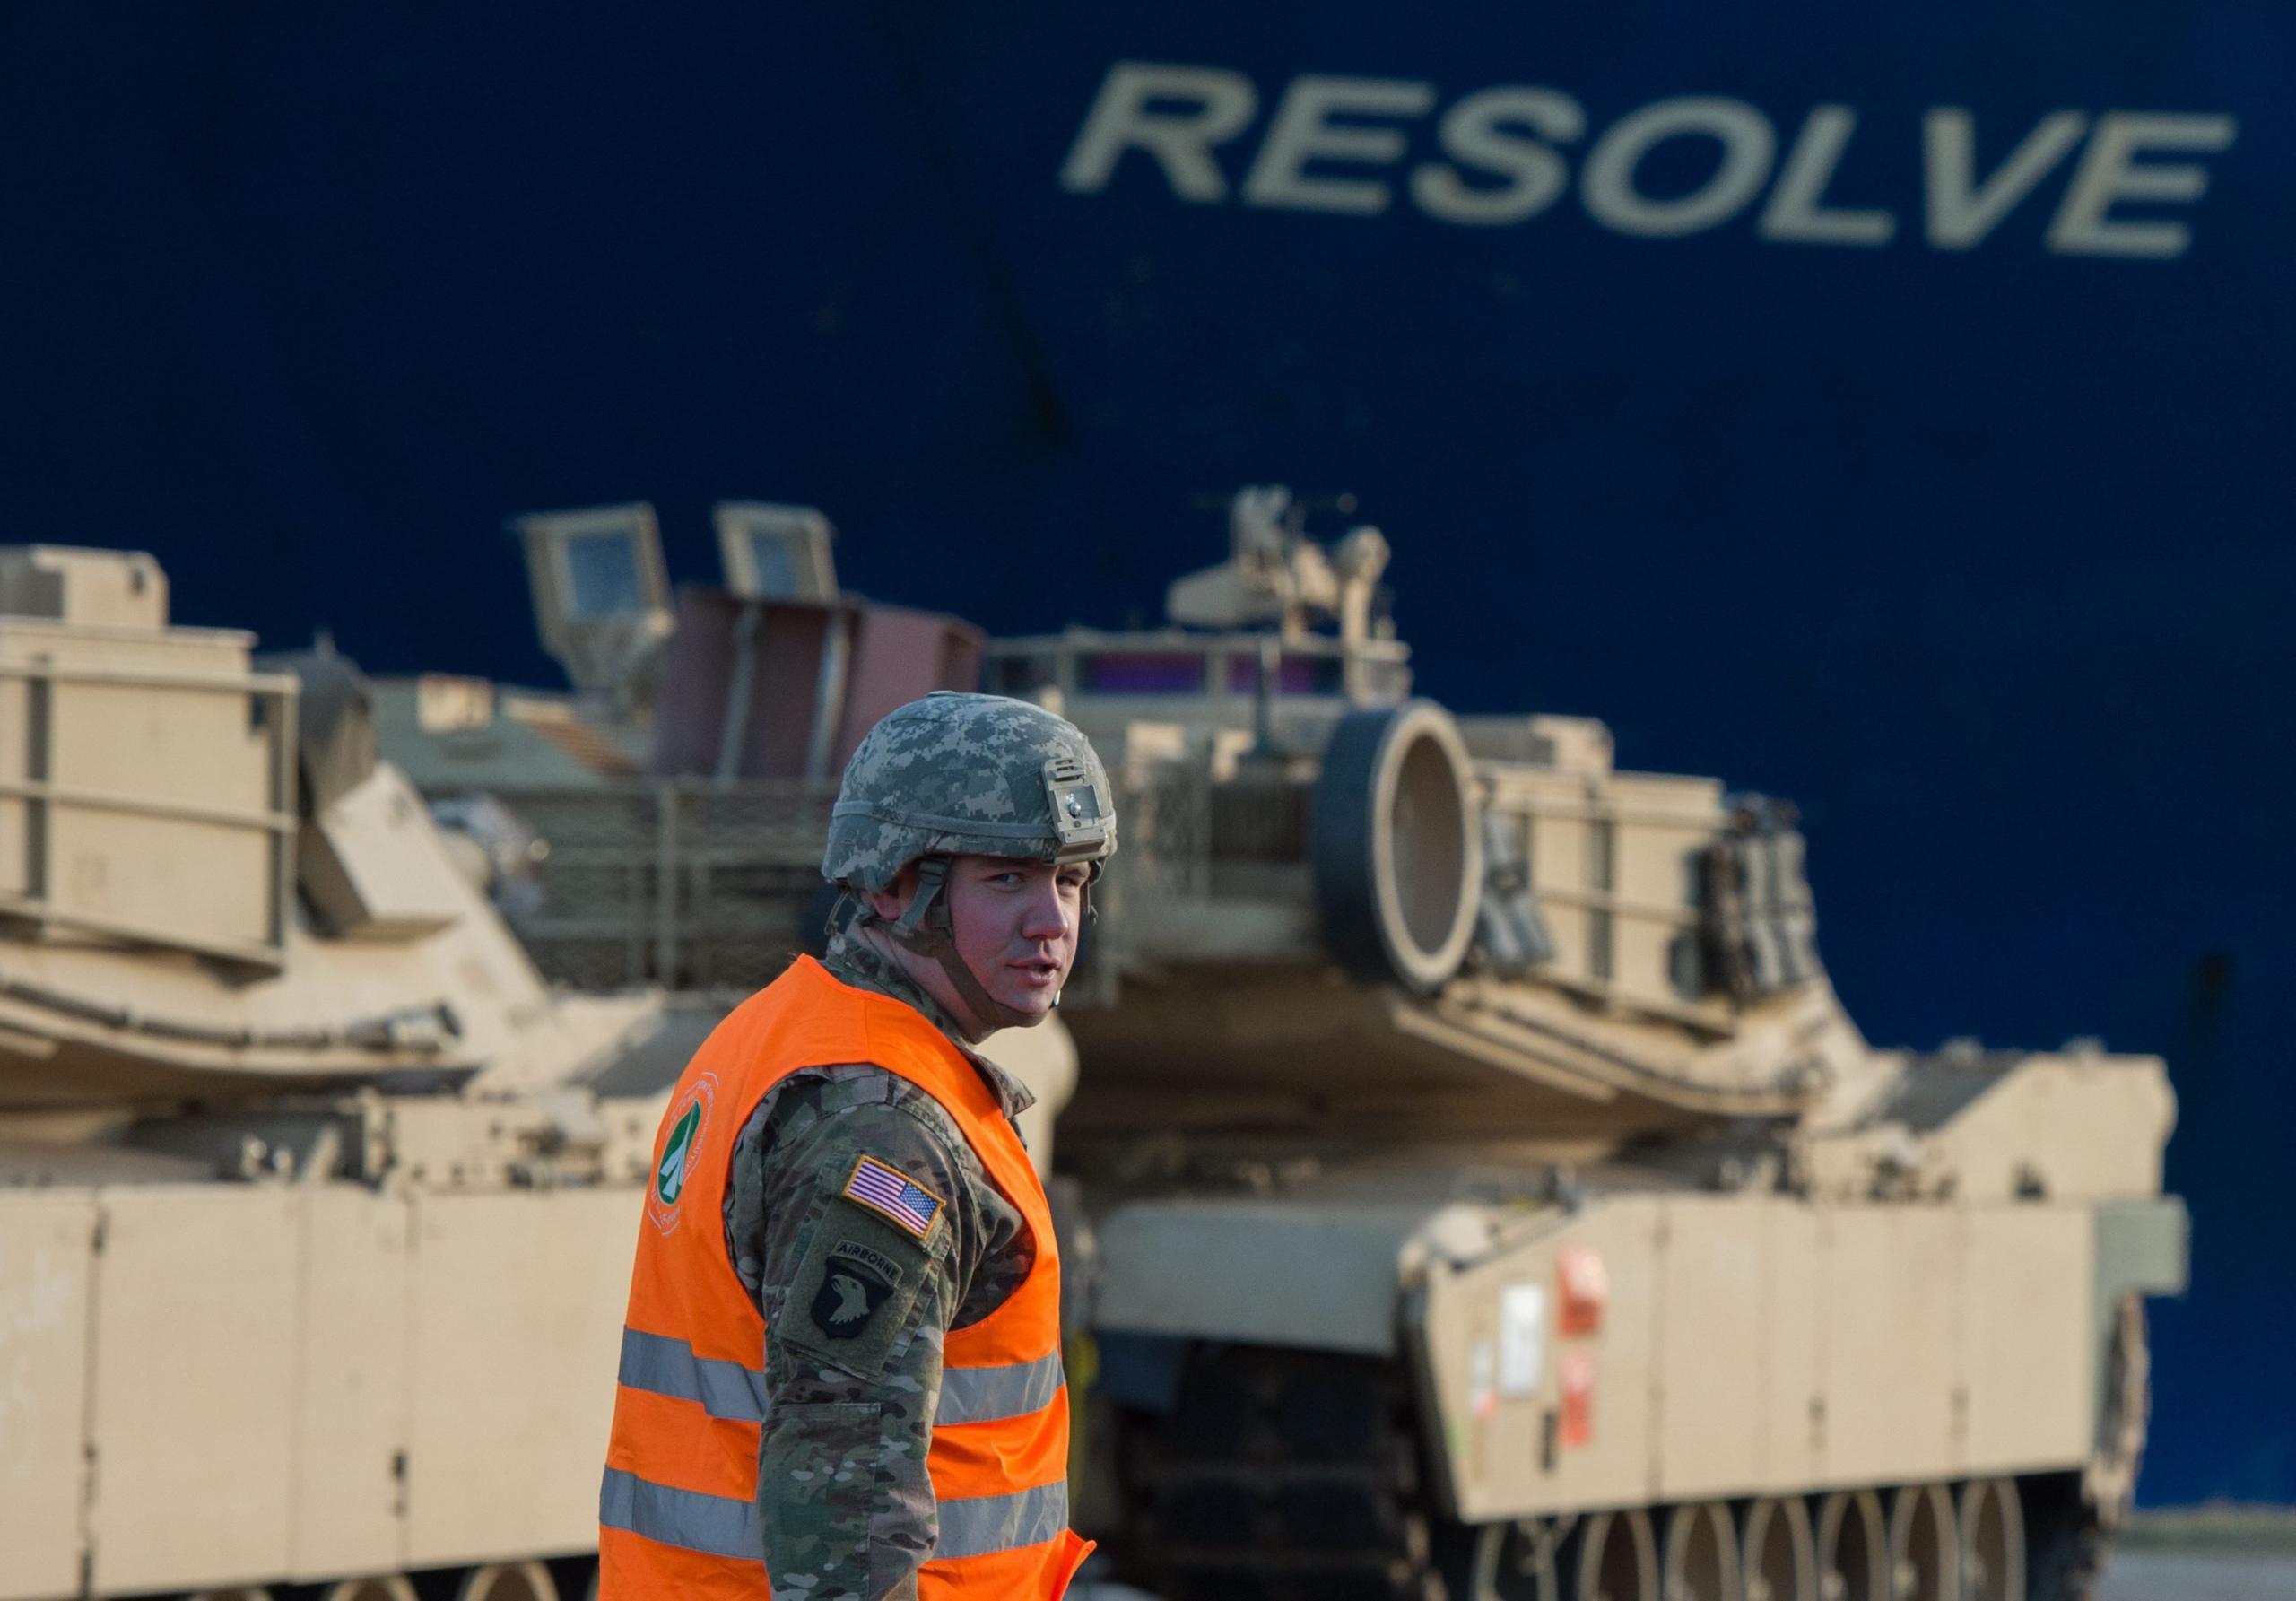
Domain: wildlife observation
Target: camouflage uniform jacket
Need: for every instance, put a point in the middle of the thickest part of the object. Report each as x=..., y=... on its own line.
x=844, y=1498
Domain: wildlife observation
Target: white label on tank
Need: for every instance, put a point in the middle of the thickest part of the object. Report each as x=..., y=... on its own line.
x=1522, y=1338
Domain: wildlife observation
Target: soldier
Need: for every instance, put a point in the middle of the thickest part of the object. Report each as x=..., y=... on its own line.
x=837, y=1166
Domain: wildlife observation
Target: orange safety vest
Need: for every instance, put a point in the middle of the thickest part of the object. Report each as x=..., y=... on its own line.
x=678, y=1514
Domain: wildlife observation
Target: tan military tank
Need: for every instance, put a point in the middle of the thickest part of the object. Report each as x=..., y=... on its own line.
x=312, y=1195
x=1492, y=1193
x=1492, y=1198
x=317, y=1200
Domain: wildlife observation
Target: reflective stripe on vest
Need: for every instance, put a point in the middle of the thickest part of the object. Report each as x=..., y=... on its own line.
x=985, y=1395
x=723, y=1526
x=734, y=1392
x=677, y=1509
x=667, y=1367
x=687, y=1518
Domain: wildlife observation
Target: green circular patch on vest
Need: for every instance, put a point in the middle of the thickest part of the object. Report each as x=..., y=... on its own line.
x=669, y=1178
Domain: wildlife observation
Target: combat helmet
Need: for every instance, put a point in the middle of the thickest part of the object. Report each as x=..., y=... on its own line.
x=956, y=775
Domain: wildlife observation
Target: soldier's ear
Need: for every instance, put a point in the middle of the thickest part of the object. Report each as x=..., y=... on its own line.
x=893, y=900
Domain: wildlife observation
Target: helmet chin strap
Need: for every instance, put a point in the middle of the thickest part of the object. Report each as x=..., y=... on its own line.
x=924, y=929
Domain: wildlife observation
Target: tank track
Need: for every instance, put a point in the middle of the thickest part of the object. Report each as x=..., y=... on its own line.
x=1290, y=1476
x=1280, y=1476
x=2072, y=1519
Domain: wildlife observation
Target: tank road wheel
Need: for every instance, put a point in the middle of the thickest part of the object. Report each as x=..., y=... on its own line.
x=1780, y=1551
x=2071, y=1518
x=1614, y=1558
x=1993, y=1542
x=1396, y=846
x=1852, y=1548
x=1924, y=1551
x=1515, y=1562
x=374, y=1587
x=508, y=1581
x=1701, y=1553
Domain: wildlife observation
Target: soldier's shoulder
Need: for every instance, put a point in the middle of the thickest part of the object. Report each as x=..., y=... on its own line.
x=824, y=1110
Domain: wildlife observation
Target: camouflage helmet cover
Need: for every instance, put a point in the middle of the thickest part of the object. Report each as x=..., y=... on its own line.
x=967, y=775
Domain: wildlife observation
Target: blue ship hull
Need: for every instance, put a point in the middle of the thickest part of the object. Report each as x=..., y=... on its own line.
x=1886, y=410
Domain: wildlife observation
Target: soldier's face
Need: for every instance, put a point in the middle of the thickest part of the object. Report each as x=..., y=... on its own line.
x=1015, y=925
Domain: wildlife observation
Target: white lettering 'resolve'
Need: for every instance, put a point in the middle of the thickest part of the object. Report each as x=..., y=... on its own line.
x=1504, y=155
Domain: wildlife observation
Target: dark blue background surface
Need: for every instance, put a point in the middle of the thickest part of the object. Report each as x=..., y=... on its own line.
x=1981, y=556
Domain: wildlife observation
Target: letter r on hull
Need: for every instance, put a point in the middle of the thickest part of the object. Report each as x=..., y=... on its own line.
x=1173, y=114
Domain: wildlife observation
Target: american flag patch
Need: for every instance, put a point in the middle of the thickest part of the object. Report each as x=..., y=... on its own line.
x=892, y=1193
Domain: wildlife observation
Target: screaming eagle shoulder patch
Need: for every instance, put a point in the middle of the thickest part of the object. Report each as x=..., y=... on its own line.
x=854, y=1298
x=855, y=1282
x=894, y=1195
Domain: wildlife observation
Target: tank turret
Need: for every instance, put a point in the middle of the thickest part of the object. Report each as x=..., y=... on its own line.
x=214, y=889
x=1531, y=940
x=309, y=1182
x=1493, y=1195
